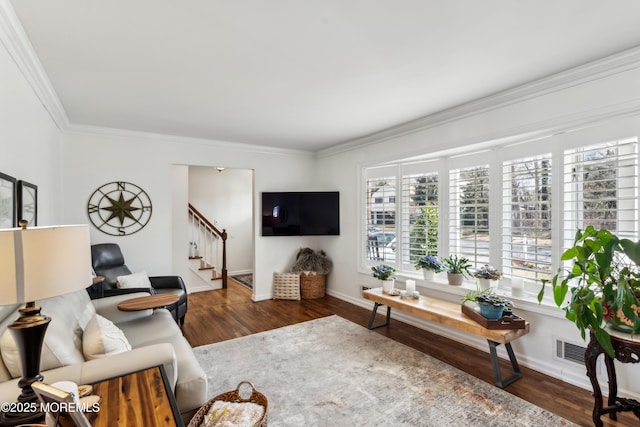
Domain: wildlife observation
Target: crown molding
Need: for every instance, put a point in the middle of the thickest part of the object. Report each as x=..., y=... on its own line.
x=605, y=67
x=100, y=131
x=17, y=44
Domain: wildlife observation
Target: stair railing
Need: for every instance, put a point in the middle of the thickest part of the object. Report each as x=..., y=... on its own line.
x=211, y=241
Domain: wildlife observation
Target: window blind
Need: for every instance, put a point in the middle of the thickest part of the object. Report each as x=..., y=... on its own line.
x=469, y=213
x=380, y=220
x=526, y=217
x=419, y=216
x=601, y=188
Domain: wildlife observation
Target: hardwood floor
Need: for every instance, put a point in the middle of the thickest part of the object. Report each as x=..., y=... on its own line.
x=220, y=315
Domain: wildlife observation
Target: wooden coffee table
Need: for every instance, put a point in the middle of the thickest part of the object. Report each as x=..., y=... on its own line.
x=150, y=302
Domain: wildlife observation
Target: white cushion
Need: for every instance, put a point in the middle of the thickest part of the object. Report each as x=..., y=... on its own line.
x=11, y=358
x=63, y=340
x=135, y=280
x=102, y=337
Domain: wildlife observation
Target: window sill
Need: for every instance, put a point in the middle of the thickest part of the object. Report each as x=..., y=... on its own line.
x=527, y=302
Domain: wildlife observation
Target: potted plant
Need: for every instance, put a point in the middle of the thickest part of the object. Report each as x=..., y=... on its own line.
x=485, y=274
x=386, y=274
x=457, y=269
x=601, y=286
x=313, y=267
x=429, y=264
x=492, y=306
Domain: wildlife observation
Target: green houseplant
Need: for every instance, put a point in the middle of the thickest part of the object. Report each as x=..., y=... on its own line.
x=485, y=274
x=386, y=274
x=429, y=264
x=492, y=306
x=457, y=269
x=602, y=286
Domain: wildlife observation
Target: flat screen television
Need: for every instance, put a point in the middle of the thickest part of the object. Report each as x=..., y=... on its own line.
x=311, y=213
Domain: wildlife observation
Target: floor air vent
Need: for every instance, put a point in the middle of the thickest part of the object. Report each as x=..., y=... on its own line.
x=571, y=352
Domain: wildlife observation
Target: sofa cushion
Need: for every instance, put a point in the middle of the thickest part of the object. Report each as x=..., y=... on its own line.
x=101, y=338
x=62, y=345
x=135, y=280
x=11, y=358
x=8, y=314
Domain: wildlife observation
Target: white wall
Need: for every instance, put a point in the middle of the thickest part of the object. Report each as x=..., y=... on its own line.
x=599, y=100
x=152, y=162
x=29, y=140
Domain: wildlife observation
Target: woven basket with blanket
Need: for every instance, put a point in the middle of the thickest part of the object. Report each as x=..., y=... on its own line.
x=313, y=267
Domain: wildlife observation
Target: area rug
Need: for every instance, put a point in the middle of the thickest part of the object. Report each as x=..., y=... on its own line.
x=332, y=372
x=245, y=279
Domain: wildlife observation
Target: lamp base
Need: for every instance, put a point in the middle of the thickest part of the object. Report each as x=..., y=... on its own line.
x=28, y=332
x=20, y=418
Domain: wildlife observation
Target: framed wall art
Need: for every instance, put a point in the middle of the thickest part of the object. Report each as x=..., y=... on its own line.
x=27, y=201
x=8, y=199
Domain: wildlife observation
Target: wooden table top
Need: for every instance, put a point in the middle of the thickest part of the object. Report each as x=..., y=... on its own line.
x=147, y=302
x=138, y=399
x=444, y=312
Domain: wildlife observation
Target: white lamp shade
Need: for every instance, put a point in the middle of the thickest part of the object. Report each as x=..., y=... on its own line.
x=43, y=262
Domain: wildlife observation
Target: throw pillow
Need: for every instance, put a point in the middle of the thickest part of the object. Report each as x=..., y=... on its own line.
x=101, y=338
x=63, y=341
x=11, y=358
x=135, y=280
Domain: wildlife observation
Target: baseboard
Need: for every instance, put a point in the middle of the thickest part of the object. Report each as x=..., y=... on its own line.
x=239, y=272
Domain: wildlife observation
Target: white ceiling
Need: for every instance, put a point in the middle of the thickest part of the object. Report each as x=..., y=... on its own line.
x=305, y=74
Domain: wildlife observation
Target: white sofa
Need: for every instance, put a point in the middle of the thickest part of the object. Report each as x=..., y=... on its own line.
x=154, y=336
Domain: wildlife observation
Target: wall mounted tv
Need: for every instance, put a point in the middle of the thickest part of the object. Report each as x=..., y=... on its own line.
x=313, y=213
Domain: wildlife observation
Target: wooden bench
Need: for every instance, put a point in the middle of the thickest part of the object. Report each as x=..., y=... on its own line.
x=450, y=314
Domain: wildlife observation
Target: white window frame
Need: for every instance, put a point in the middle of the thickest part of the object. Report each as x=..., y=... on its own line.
x=495, y=157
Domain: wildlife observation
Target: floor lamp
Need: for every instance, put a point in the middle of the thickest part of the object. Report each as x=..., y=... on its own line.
x=38, y=263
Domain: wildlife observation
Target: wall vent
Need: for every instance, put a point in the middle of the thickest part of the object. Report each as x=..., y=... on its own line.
x=569, y=351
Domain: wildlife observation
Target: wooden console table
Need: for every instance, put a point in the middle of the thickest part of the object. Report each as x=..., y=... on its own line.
x=627, y=350
x=450, y=314
x=141, y=398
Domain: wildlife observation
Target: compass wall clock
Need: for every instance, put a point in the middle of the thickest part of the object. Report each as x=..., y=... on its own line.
x=119, y=208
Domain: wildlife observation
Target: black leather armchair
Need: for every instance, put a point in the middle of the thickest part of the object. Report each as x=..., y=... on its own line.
x=108, y=262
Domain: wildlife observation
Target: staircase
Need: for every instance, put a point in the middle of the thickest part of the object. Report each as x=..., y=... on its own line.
x=208, y=246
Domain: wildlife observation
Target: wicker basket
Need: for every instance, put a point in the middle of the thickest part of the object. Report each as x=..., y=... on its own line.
x=286, y=286
x=312, y=285
x=234, y=397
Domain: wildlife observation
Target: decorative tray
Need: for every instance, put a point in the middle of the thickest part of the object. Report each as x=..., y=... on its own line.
x=505, y=322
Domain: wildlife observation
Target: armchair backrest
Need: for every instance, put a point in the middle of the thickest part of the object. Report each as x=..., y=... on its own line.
x=107, y=261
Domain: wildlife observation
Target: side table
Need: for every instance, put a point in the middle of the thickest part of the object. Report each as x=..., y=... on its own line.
x=150, y=301
x=141, y=398
x=627, y=350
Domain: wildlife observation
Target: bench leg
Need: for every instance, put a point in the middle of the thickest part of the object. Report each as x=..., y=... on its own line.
x=496, y=364
x=373, y=316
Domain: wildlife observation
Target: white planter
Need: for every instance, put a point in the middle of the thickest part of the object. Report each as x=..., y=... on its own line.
x=484, y=283
x=428, y=274
x=387, y=285
x=455, y=279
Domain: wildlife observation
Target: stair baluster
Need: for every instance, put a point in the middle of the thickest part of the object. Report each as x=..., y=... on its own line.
x=209, y=239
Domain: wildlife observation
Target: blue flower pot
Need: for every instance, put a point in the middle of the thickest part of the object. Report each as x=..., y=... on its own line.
x=490, y=311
